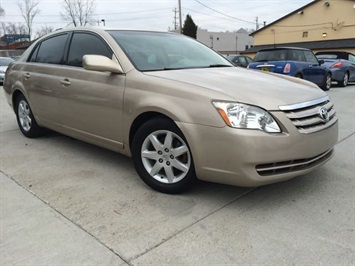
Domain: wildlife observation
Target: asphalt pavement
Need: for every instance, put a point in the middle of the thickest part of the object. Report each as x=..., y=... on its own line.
x=66, y=202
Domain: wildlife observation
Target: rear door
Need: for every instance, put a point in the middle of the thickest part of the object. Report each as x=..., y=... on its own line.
x=40, y=79
x=91, y=101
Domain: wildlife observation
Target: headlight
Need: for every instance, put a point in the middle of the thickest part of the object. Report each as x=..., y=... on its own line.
x=2, y=71
x=245, y=116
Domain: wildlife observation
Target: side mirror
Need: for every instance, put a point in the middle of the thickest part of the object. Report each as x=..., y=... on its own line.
x=101, y=63
x=321, y=62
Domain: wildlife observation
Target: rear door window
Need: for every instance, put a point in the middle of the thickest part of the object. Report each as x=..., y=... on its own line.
x=85, y=43
x=51, y=51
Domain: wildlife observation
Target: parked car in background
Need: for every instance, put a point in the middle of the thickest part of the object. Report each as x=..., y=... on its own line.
x=4, y=63
x=296, y=62
x=15, y=57
x=239, y=60
x=180, y=109
x=341, y=64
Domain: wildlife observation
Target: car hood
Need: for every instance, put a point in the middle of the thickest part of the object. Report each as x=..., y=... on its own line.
x=266, y=90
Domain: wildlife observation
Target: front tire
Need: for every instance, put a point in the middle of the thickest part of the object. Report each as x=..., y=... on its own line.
x=344, y=81
x=327, y=83
x=25, y=118
x=162, y=157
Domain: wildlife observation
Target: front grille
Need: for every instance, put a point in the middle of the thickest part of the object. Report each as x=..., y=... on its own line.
x=293, y=165
x=306, y=116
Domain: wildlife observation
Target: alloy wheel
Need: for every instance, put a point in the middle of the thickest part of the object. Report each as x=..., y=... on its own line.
x=165, y=156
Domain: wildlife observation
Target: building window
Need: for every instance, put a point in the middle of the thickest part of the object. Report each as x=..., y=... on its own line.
x=305, y=34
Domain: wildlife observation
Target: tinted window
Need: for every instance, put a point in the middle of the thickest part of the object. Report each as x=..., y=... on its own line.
x=269, y=55
x=351, y=58
x=34, y=54
x=310, y=57
x=82, y=44
x=51, y=51
x=296, y=55
x=242, y=61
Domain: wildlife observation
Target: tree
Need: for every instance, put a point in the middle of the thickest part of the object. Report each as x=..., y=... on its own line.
x=2, y=24
x=2, y=12
x=189, y=28
x=28, y=10
x=43, y=31
x=78, y=12
x=16, y=28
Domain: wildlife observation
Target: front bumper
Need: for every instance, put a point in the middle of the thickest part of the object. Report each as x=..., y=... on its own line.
x=251, y=157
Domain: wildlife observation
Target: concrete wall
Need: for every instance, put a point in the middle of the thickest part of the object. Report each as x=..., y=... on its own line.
x=10, y=53
x=226, y=42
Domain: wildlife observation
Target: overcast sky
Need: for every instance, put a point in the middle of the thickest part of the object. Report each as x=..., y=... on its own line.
x=159, y=15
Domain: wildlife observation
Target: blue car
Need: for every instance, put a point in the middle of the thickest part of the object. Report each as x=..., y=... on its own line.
x=296, y=62
x=341, y=65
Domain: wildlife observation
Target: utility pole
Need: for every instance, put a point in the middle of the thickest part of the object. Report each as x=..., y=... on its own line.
x=175, y=19
x=257, y=23
x=180, y=20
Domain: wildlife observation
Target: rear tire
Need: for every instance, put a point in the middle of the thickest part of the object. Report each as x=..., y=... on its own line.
x=162, y=157
x=25, y=118
x=299, y=76
x=344, y=81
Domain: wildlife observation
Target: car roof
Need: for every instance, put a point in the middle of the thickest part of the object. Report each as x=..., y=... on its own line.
x=101, y=29
x=334, y=52
x=284, y=48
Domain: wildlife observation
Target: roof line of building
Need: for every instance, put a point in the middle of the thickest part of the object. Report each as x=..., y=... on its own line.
x=315, y=45
x=289, y=14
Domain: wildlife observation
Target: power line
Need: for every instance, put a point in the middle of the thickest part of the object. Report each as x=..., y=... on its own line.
x=224, y=14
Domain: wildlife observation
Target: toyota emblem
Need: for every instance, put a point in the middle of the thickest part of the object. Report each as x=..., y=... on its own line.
x=324, y=115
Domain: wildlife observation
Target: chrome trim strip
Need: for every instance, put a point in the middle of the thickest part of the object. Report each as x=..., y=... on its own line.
x=304, y=104
x=332, y=122
x=266, y=65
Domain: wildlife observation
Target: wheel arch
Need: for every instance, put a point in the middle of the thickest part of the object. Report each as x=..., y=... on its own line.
x=15, y=95
x=299, y=74
x=140, y=119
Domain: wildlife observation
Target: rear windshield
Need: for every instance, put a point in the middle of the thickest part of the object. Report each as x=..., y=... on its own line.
x=276, y=55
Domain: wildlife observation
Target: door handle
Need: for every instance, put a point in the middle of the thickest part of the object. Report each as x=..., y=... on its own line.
x=27, y=75
x=65, y=82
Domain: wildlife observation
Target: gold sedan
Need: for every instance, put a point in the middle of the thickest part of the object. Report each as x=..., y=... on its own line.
x=177, y=107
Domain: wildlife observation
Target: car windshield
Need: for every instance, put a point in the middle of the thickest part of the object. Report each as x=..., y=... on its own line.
x=150, y=51
x=6, y=61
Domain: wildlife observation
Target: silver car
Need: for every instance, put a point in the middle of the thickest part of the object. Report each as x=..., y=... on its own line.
x=179, y=109
x=4, y=63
